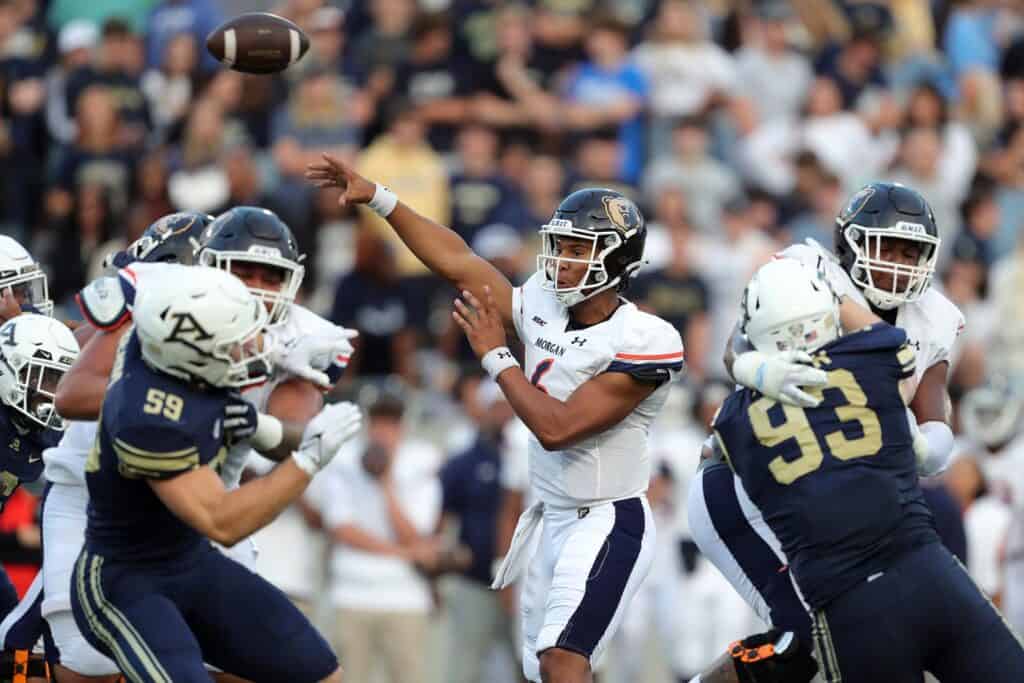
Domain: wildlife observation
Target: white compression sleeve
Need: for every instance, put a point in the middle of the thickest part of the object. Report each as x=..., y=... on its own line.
x=940, y=448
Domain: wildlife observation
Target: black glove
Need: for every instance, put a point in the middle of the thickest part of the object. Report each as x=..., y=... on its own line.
x=773, y=657
x=240, y=419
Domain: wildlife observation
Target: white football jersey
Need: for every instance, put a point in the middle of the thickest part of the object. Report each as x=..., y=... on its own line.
x=932, y=323
x=615, y=463
x=300, y=322
x=109, y=300
x=106, y=303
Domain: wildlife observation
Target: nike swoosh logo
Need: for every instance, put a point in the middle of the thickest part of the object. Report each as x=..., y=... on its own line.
x=36, y=459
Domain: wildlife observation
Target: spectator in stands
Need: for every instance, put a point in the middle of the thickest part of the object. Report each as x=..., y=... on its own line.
x=854, y=66
x=381, y=505
x=690, y=168
x=767, y=58
x=403, y=160
x=98, y=155
x=198, y=182
x=151, y=196
x=169, y=18
x=480, y=193
x=373, y=300
x=543, y=187
x=971, y=43
x=609, y=91
x=675, y=291
x=825, y=195
x=435, y=80
x=471, y=495
x=76, y=44
x=378, y=52
x=920, y=167
x=688, y=73
x=314, y=120
x=118, y=67
x=170, y=87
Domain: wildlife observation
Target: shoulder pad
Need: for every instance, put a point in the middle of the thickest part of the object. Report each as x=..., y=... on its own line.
x=104, y=304
x=650, y=347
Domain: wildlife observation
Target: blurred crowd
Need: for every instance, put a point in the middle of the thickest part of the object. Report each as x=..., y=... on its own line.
x=739, y=126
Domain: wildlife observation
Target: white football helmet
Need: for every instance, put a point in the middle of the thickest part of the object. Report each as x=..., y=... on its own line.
x=35, y=352
x=203, y=325
x=21, y=272
x=788, y=307
x=991, y=413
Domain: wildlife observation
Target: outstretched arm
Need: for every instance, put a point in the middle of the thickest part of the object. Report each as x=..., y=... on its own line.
x=81, y=390
x=439, y=248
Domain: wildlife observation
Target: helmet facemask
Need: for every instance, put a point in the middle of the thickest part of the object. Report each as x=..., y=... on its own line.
x=33, y=393
x=866, y=244
x=279, y=301
x=30, y=287
x=596, y=278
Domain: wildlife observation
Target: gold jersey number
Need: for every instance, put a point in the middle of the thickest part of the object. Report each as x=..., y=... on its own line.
x=796, y=426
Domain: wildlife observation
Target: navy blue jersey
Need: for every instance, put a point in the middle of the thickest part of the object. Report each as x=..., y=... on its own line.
x=152, y=426
x=21, y=452
x=838, y=483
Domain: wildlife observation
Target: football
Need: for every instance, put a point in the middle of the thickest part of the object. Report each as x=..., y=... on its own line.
x=258, y=43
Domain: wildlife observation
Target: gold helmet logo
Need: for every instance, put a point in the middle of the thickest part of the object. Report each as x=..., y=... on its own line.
x=622, y=213
x=165, y=226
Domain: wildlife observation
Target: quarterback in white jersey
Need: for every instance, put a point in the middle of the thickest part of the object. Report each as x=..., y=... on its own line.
x=596, y=373
x=884, y=260
x=274, y=410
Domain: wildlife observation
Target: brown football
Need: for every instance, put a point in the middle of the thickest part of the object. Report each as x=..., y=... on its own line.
x=258, y=43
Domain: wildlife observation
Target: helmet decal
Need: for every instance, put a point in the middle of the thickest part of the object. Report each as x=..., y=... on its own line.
x=856, y=203
x=622, y=213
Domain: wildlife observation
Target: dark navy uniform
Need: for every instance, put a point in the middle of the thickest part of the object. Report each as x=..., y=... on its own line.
x=21, y=460
x=149, y=590
x=838, y=486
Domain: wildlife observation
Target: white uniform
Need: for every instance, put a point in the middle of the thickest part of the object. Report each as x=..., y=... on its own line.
x=597, y=539
x=1002, y=472
x=109, y=301
x=932, y=323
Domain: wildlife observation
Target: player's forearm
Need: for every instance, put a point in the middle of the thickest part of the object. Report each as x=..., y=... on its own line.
x=400, y=524
x=438, y=247
x=545, y=416
x=256, y=503
x=80, y=396
x=356, y=537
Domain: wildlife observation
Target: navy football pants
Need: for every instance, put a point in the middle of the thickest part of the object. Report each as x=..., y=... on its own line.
x=160, y=622
x=923, y=613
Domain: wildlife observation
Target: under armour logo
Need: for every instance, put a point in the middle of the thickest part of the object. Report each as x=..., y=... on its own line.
x=915, y=344
x=504, y=355
x=537, y=319
x=578, y=341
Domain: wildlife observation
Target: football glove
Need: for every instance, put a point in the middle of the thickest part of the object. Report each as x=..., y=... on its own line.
x=325, y=434
x=773, y=657
x=308, y=357
x=782, y=377
x=240, y=420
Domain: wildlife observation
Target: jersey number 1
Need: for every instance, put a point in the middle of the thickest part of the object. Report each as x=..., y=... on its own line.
x=796, y=426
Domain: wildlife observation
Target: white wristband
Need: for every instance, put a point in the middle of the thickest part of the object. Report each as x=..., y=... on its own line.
x=498, y=360
x=384, y=201
x=269, y=433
